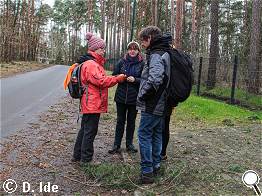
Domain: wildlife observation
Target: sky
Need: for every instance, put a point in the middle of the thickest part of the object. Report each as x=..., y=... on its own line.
x=49, y=2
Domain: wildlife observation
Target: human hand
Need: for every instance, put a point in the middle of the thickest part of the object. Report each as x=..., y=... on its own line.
x=121, y=78
x=130, y=79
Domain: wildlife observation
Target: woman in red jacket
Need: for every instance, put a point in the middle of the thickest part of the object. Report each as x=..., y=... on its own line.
x=95, y=98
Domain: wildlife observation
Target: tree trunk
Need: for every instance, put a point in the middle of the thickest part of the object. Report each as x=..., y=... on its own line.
x=159, y=14
x=115, y=25
x=7, y=36
x=90, y=15
x=185, y=46
x=155, y=13
x=199, y=15
x=193, y=35
x=229, y=37
x=110, y=39
x=166, y=17
x=107, y=43
x=22, y=33
x=125, y=25
x=245, y=39
x=32, y=45
x=214, y=49
x=69, y=44
x=245, y=19
x=172, y=22
x=254, y=58
x=102, y=2
x=179, y=23
x=118, y=36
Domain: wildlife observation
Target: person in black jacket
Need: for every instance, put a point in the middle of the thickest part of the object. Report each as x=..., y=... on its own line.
x=166, y=131
x=125, y=97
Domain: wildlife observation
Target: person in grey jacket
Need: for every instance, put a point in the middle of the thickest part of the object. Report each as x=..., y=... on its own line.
x=151, y=100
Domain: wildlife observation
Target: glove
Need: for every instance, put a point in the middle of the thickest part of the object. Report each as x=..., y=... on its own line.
x=121, y=78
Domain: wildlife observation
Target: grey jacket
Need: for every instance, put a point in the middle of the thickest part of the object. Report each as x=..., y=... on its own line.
x=154, y=80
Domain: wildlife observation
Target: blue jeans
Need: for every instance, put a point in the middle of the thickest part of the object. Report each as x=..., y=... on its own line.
x=150, y=141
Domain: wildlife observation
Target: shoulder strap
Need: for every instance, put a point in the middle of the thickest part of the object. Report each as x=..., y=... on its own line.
x=79, y=76
x=167, y=59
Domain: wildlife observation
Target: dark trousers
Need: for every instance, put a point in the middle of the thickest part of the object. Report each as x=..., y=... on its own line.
x=84, y=148
x=125, y=113
x=165, y=134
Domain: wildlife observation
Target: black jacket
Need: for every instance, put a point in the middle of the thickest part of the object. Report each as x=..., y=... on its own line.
x=126, y=92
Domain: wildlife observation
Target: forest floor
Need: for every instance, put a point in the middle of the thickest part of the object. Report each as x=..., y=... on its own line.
x=16, y=67
x=202, y=160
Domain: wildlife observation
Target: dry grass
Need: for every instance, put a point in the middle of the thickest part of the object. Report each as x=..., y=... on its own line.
x=13, y=68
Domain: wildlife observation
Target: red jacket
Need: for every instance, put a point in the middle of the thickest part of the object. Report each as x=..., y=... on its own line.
x=94, y=77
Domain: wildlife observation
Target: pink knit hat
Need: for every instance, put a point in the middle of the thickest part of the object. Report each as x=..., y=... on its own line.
x=94, y=42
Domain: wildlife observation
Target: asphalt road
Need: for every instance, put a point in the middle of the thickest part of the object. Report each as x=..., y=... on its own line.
x=25, y=96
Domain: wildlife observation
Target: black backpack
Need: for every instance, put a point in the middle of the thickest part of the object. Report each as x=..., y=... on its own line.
x=181, y=77
x=75, y=87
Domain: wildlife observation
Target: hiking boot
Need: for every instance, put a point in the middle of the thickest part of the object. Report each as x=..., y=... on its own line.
x=147, y=178
x=163, y=157
x=84, y=163
x=131, y=149
x=156, y=171
x=74, y=160
x=115, y=149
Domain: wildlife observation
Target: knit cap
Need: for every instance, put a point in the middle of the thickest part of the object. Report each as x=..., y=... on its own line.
x=133, y=43
x=94, y=42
